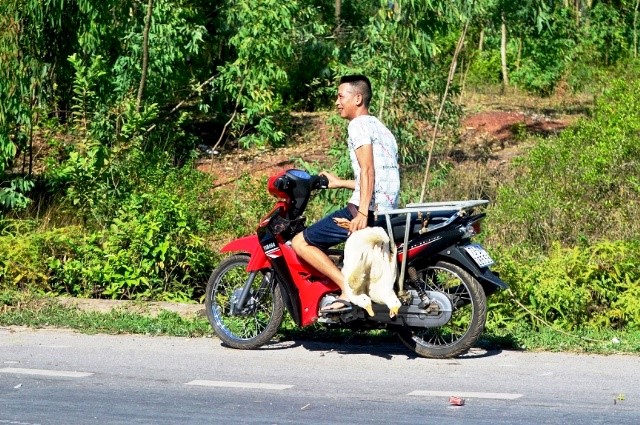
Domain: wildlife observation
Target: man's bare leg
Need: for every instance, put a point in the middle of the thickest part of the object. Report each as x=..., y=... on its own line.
x=320, y=261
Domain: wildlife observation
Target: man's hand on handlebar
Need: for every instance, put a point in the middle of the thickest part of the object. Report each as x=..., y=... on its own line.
x=334, y=182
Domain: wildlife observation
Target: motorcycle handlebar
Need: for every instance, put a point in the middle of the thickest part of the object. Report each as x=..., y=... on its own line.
x=317, y=182
x=281, y=183
x=320, y=182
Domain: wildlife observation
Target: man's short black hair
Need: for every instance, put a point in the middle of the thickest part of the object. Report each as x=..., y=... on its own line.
x=362, y=85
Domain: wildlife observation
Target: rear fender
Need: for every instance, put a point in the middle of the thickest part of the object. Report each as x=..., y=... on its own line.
x=250, y=245
x=490, y=282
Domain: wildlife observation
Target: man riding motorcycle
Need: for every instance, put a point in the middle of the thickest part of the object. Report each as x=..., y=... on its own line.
x=373, y=152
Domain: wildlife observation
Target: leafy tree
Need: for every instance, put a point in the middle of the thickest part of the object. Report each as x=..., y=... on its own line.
x=545, y=51
x=28, y=30
x=606, y=34
x=400, y=50
x=264, y=38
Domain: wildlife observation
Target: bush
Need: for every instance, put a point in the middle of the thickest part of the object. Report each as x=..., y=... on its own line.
x=580, y=187
x=573, y=288
x=238, y=209
x=25, y=251
x=154, y=245
x=153, y=248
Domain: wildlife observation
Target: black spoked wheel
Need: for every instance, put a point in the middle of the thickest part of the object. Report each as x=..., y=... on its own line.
x=467, y=320
x=249, y=324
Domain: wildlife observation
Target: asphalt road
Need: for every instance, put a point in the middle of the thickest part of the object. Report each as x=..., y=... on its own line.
x=61, y=377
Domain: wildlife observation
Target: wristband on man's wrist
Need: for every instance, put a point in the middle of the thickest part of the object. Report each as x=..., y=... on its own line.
x=360, y=212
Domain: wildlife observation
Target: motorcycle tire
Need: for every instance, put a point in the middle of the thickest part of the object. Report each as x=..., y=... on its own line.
x=262, y=315
x=468, y=317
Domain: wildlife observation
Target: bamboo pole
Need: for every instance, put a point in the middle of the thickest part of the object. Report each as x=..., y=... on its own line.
x=503, y=54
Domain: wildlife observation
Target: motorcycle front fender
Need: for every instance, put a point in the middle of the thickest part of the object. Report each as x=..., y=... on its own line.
x=250, y=245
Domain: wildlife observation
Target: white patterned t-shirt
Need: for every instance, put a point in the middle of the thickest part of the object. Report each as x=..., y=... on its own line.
x=367, y=129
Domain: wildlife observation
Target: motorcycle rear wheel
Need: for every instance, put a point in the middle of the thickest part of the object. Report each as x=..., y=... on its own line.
x=262, y=315
x=467, y=321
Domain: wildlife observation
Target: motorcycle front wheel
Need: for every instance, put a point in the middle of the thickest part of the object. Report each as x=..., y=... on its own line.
x=256, y=321
x=468, y=318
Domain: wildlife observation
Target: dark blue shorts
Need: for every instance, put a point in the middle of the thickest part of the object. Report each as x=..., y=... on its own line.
x=325, y=233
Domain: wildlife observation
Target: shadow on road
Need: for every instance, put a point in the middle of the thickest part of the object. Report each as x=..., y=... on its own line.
x=383, y=347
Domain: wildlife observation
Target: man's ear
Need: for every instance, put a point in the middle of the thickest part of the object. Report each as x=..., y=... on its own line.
x=359, y=99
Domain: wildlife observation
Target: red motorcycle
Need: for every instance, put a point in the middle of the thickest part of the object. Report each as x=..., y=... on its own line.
x=443, y=278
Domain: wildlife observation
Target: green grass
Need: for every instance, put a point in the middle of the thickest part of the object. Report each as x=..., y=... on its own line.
x=548, y=339
x=20, y=309
x=25, y=309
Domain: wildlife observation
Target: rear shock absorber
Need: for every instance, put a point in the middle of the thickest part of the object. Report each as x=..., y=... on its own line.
x=418, y=284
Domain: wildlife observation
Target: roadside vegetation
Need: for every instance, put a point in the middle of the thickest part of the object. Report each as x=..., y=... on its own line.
x=27, y=309
x=106, y=110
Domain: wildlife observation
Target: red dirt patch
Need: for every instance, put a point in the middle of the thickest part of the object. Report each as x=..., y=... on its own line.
x=502, y=126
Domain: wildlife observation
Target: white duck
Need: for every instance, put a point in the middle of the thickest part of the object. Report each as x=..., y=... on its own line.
x=370, y=270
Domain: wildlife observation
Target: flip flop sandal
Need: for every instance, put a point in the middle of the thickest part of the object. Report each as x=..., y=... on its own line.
x=346, y=306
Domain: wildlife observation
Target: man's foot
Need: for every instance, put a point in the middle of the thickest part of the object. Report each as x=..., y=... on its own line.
x=338, y=306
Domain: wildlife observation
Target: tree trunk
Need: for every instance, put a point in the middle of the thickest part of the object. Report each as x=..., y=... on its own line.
x=503, y=55
x=481, y=41
x=519, y=56
x=635, y=29
x=338, y=11
x=145, y=53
